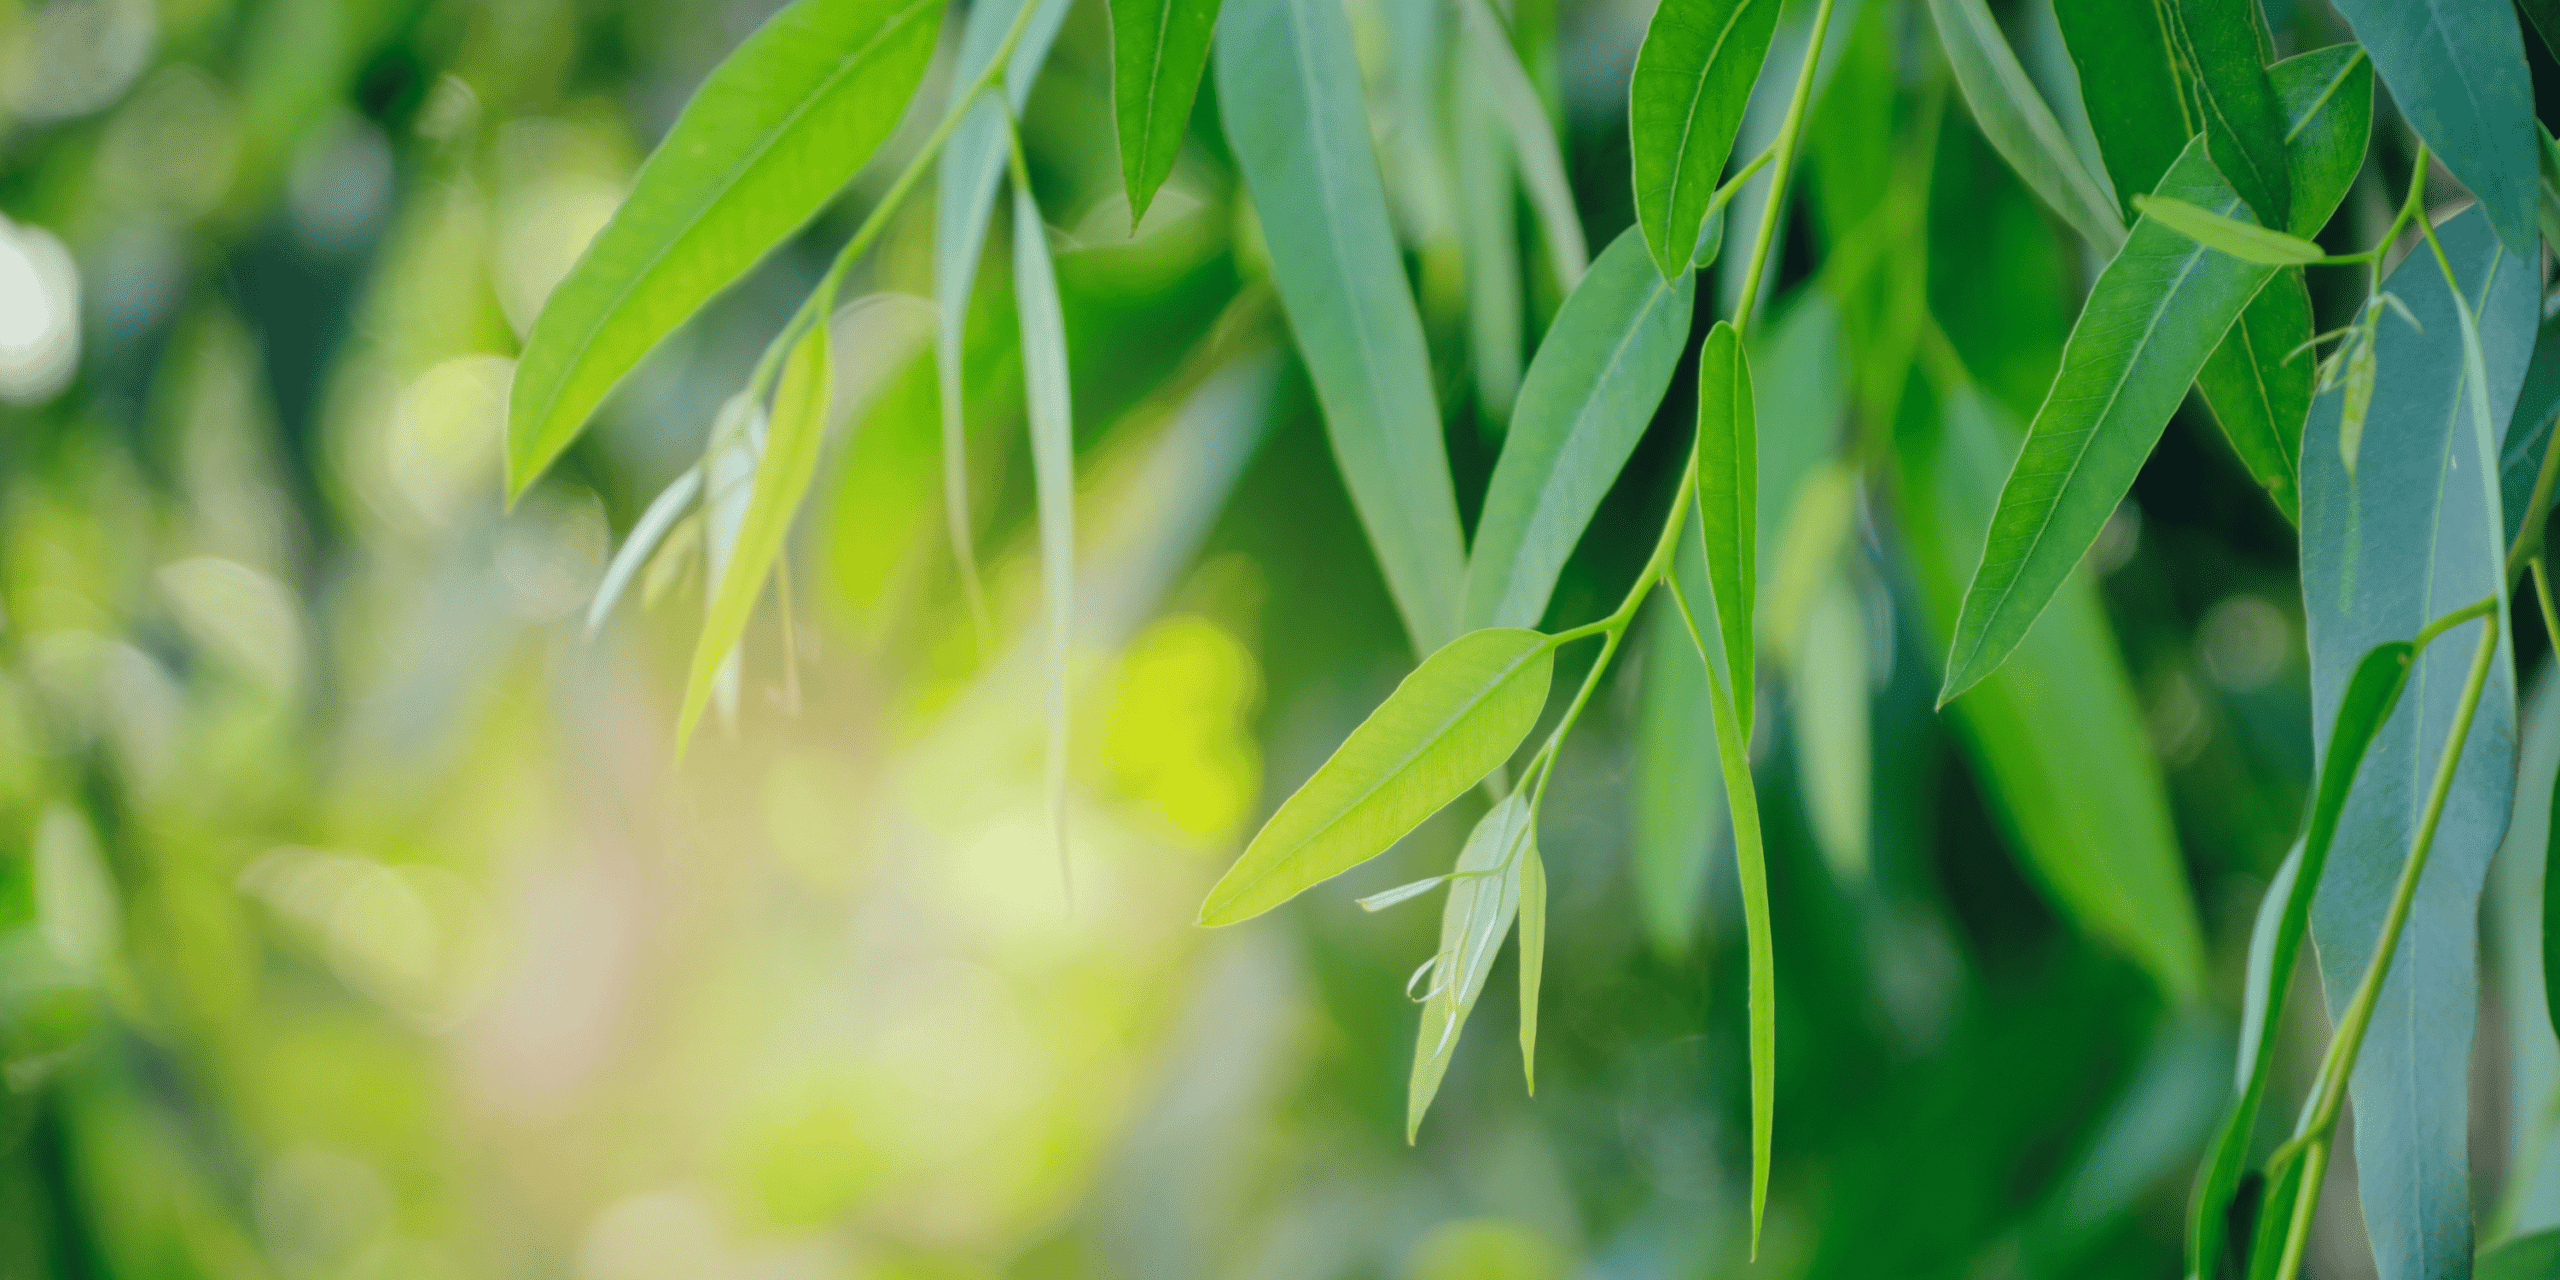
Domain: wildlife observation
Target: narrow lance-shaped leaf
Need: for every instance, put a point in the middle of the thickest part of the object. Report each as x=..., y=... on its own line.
x=790, y=458
x=2416, y=534
x=2456, y=70
x=1533, y=953
x=1478, y=912
x=2154, y=315
x=1510, y=95
x=1589, y=395
x=2276, y=942
x=773, y=134
x=2129, y=83
x=1490, y=238
x=2246, y=241
x=1158, y=50
x=1692, y=79
x=2227, y=44
x=1728, y=494
x=2019, y=124
x=1453, y=721
x=1289, y=91
x=661, y=515
x=1053, y=464
x=2258, y=384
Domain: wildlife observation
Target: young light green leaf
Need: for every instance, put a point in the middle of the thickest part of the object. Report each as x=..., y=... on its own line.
x=2056, y=736
x=1590, y=394
x=2357, y=402
x=1833, y=753
x=2260, y=390
x=1692, y=79
x=1158, y=50
x=1729, y=508
x=1473, y=920
x=2456, y=70
x=1679, y=822
x=1453, y=721
x=2417, y=534
x=2153, y=317
x=1402, y=893
x=1533, y=954
x=2129, y=83
x=2276, y=942
x=2533, y=1257
x=772, y=135
x=1053, y=464
x=1509, y=94
x=2246, y=241
x=964, y=202
x=1289, y=92
x=788, y=461
x=2019, y=124
x=2227, y=46
x=661, y=514
x=1490, y=238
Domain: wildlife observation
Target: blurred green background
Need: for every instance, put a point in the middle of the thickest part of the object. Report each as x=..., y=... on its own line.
x=356, y=922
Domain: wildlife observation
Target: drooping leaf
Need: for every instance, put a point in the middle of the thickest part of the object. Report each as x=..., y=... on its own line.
x=774, y=132
x=1729, y=508
x=2129, y=82
x=2258, y=384
x=661, y=514
x=964, y=201
x=1508, y=92
x=1832, y=734
x=789, y=459
x=2416, y=534
x=2227, y=46
x=2019, y=124
x=1490, y=237
x=1453, y=721
x=1533, y=953
x=1289, y=91
x=2456, y=70
x=1158, y=50
x=1692, y=79
x=2246, y=241
x=2153, y=317
x=2276, y=942
x=1053, y=465
x=1403, y=893
x=1679, y=820
x=2056, y=735
x=1589, y=395
x=1478, y=912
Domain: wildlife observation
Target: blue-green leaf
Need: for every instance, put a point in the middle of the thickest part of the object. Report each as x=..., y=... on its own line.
x=769, y=139
x=1589, y=395
x=1692, y=78
x=1053, y=464
x=1289, y=91
x=1509, y=94
x=2456, y=70
x=2019, y=124
x=2415, y=534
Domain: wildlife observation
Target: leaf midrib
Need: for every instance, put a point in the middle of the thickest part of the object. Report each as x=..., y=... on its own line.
x=1689, y=120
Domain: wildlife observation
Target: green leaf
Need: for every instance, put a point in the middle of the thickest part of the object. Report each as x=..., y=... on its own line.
x=2129, y=83
x=2533, y=1257
x=964, y=202
x=1158, y=50
x=2019, y=124
x=2416, y=534
x=1289, y=92
x=2227, y=45
x=2056, y=735
x=1590, y=393
x=1729, y=508
x=1679, y=820
x=2529, y=430
x=2153, y=317
x=1510, y=95
x=1053, y=464
x=1832, y=734
x=1533, y=953
x=1473, y=920
x=2273, y=1221
x=1692, y=78
x=782, y=474
x=773, y=134
x=661, y=514
x=2246, y=241
x=2456, y=70
x=1490, y=237
x=2545, y=17
x=1819, y=524
x=2258, y=384
x=2276, y=942
x=1452, y=722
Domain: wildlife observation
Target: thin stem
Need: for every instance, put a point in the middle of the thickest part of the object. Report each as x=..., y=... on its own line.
x=1788, y=132
x=2537, y=509
x=2306, y=1205
x=2480, y=608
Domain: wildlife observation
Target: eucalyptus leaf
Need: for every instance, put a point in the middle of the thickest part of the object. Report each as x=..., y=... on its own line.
x=2415, y=534
x=1729, y=509
x=661, y=515
x=1053, y=465
x=1478, y=912
x=1289, y=92
x=1533, y=954
x=773, y=134
x=2456, y=70
x=2258, y=384
x=1490, y=237
x=1589, y=395
x=2153, y=317
x=1508, y=92
x=1685, y=100
x=2129, y=74
x=2246, y=241
x=2533, y=1257
x=2019, y=124
x=2227, y=46
x=1159, y=48
x=1449, y=724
